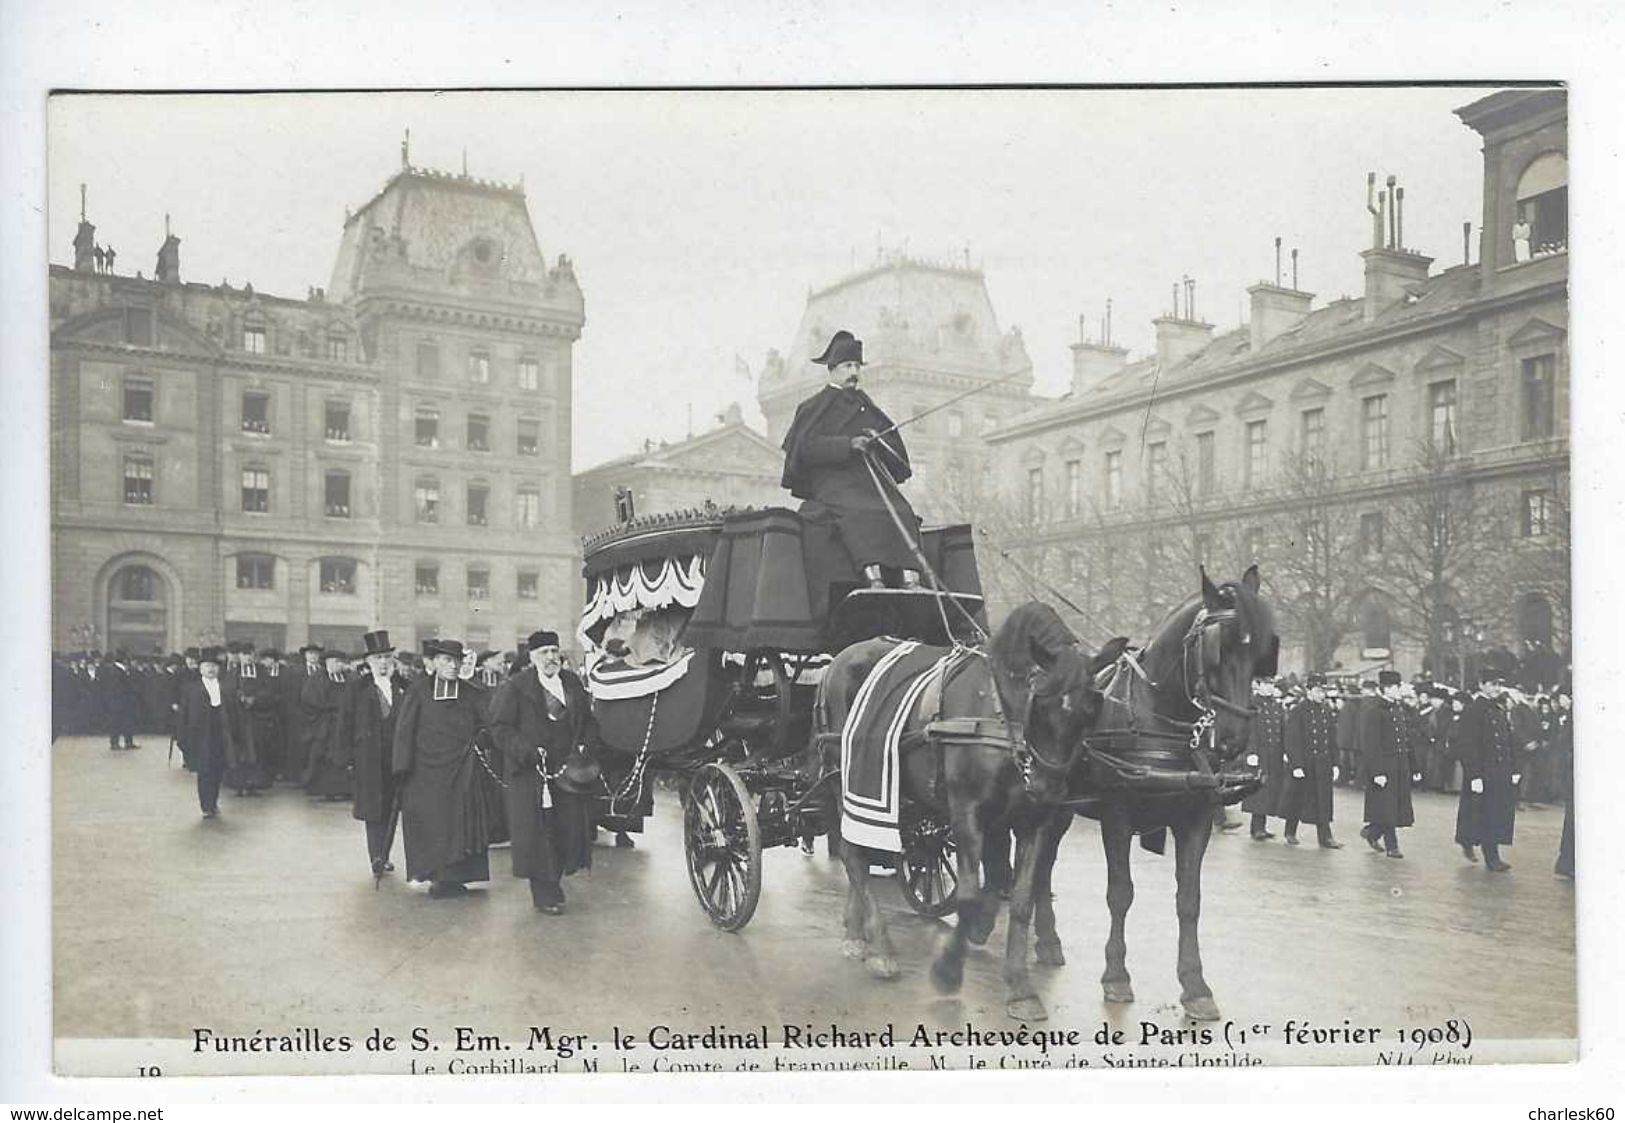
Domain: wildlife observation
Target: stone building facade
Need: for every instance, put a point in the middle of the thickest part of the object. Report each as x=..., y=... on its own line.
x=1396, y=463
x=929, y=333
x=393, y=451
x=732, y=465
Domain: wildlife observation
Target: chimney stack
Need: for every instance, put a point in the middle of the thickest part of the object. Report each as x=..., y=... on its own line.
x=1389, y=268
x=168, y=269
x=1275, y=309
x=1095, y=360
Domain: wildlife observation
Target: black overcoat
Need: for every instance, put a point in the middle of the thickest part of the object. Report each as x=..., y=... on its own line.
x=1267, y=744
x=1385, y=751
x=258, y=735
x=551, y=843
x=445, y=809
x=1311, y=744
x=294, y=748
x=192, y=726
x=120, y=698
x=327, y=765
x=821, y=468
x=371, y=734
x=1484, y=742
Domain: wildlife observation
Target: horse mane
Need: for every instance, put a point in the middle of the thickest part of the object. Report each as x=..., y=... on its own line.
x=1030, y=629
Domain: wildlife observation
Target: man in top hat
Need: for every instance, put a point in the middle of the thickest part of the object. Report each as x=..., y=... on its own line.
x=1486, y=746
x=539, y=719
x=837, y=436
x=205, y=723
x=445, y=820
x=375, y=699
x=1386, y=765
x=327, y=768
x=1310, y=743
x=120, y=700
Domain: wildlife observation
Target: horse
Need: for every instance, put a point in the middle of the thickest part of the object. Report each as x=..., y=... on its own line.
x=1021, y=706
x=1167, y=717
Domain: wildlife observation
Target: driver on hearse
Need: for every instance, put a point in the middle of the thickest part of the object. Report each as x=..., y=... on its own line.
x=835, y=437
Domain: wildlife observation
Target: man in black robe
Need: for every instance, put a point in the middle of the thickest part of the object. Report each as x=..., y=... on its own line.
x=121, y=702
x=369, y=726
x=445, y=819
x=295, y=760
x=1488, y=807
x=1311, y=762
x=837, y=436
x=327, y=764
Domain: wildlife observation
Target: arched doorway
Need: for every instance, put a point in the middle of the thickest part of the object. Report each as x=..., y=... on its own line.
x=138, y=611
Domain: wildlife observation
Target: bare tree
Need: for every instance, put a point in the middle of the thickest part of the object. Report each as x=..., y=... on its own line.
x=1314, y=560
x=1437, y=534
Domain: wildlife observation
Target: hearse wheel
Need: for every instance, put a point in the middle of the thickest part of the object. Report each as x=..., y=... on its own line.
x=929, y=869
x=723, y=845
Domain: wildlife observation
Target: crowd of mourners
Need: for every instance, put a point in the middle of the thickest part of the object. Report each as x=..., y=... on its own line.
x=463, y=750
x=1497, y=747
x=467, y=750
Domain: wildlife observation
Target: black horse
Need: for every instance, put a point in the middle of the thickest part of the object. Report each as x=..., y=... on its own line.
x=1172, y=717
x=1009, y=726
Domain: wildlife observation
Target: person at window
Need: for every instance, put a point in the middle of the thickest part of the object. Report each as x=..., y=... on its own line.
x=1520, y=236
x=1488, y=807
x=111, y=257
x=207, y=716
x=327, y=767
x=1386, y=766
x=369, y=727
x=542, y=721
x=444, y=814
x=836, y=436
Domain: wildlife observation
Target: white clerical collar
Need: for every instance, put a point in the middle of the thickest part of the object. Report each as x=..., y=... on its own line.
x=250, y=671
x=445, y=689
x=553, y=685
x=211, y=686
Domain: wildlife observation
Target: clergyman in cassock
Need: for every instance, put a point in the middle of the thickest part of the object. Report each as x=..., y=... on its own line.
x=1310, y=747
x=295, y=758
x=205, y=723
x=1385, y=766
x=375, y=699
x=444, y=816
x=258, y=737
x=1266, y=754
x=1488, y=805
x=540, y=718
x=837, y=435
x=327, y=769
x=121, y=701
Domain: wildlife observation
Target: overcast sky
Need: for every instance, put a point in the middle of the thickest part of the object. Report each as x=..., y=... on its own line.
x=697, y=222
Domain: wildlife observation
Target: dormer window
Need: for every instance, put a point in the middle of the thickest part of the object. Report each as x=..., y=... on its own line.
x=254, y=339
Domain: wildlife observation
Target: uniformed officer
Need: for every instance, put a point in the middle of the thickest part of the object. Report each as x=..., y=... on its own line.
x=1386, y=766
x=1488, y=806
x=1311, y=759
x=1265, y=753
x=837, y=435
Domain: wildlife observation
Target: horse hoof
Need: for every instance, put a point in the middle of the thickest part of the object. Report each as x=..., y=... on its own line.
x=947, y=973
x=854, y=949
x=1201, y=1008
x=1050, y=955
x=885, y=967
x=1028, y=1009
x=1118, y=992
x=979, y=930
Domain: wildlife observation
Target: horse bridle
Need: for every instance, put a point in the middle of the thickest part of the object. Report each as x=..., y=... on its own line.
x=1025, y=751
x=1209, y=623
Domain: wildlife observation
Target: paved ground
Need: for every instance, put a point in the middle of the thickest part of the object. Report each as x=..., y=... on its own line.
x=266, y=919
